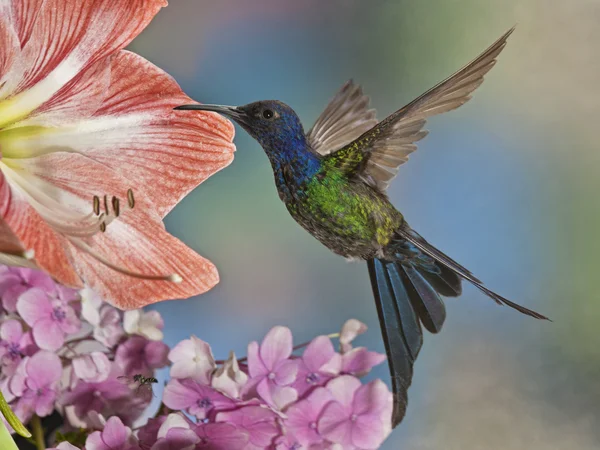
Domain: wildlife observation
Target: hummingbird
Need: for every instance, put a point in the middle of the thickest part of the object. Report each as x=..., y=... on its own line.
x=333, y=180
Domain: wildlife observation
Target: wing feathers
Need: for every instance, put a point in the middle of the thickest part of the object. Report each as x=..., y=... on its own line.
x=345, y=118
x=348, y=122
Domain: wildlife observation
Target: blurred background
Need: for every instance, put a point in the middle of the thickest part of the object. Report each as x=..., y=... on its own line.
x=507, y=185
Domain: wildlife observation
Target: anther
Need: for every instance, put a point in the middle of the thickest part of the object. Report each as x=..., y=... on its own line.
x=96, y=205
x=106, y=205
x=115, y=205
x=102, y=226
x=130, y=199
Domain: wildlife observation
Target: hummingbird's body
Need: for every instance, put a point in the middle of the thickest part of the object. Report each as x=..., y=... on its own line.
x=333, y=181
x=347, y=216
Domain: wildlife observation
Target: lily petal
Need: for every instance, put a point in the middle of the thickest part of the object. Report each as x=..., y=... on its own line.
x=36, y=235
x=58, y=48
x=9, y=41
x=78, y=100
x=24, y=13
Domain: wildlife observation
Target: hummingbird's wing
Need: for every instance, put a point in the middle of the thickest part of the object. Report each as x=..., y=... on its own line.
x=376, y=155
x=345, y=118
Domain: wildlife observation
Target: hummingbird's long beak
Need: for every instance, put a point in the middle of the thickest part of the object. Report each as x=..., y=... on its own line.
x=229, y=111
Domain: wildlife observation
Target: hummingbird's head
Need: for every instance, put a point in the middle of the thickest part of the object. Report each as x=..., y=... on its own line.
x=272, y=123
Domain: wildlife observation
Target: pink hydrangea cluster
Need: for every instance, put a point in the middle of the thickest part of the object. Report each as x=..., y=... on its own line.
x=67, y=351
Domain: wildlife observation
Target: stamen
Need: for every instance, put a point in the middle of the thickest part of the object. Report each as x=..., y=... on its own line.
x=80, y=244
x=130, y=199
x=115, y=205
x=96, y=205
x=59, y=217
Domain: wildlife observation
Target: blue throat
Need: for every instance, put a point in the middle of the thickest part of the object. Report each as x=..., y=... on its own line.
x=294, y=164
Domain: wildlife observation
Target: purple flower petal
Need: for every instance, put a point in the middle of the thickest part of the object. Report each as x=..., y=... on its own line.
x=198, y=398
x=115, y=434
x=285, y=372
x=39, y=279
x=260, y=424
x=276, y=346
x=302, y=417
x=34, y=305
x=71, y=323
x=359, y=361
x=11, y=296
x=350, y=330
x=318, y=353
x=343, y=389
x=371, y=399
x=44, y=403
x=192, y=358
x=156, y=354
x=284, y=396
x=94, y=442
x=178, y=396
x=263, y=389
x=8, y=280
x=44, y=369
x=256, y=368
x=367, y=432
x=11, y=331
x=335, y=424
x=48, y=335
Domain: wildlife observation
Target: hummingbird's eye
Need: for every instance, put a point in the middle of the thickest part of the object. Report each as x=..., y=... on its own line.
x=268, y=114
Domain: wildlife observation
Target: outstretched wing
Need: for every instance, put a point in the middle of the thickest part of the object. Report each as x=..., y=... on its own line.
x=345, y=118
x=377, y=154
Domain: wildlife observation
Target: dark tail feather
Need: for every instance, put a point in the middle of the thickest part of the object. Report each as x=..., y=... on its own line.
x=443, y=260
x=405, y=298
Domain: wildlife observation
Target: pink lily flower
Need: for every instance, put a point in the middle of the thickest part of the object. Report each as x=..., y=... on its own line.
x=92, y=156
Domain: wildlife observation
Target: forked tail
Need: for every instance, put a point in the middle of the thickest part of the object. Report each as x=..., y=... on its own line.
x=407, y=293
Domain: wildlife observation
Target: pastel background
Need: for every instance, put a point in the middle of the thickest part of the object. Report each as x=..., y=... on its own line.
x=508, y=185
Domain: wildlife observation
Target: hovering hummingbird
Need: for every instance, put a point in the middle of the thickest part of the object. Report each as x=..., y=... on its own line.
x=333, y=181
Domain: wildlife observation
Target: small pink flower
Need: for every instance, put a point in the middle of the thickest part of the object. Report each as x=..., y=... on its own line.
x=350, y=330
x=229, y=379
x=148, y=324
x=92, y=368
x=192, y=358
x=49, y=318
x=194, y=397
x=360, y=415
x=36, y=387
x=271, y=372
x=302, y=417
x=138, y=355
x=259, y=422
x=319, y=364
x=14, y=345
x=14, y=281
x=114, y=436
